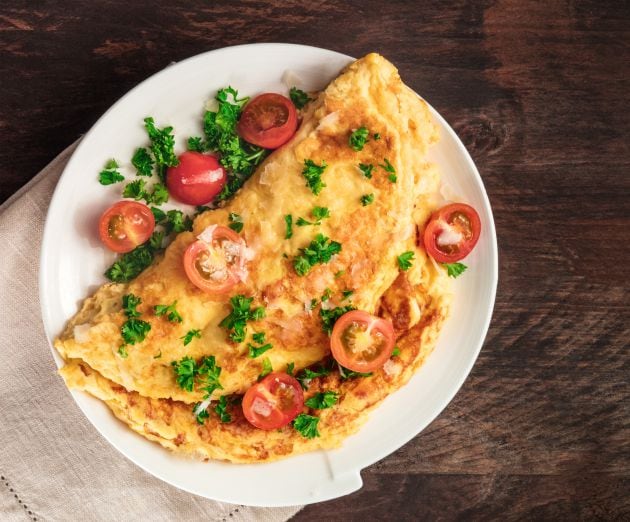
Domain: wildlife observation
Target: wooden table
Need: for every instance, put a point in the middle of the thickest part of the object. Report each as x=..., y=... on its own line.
x=538, y=91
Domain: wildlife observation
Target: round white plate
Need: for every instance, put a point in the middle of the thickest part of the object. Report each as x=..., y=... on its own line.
x=73, y=261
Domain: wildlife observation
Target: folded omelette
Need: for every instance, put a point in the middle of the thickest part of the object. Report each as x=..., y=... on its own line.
x=141, y=389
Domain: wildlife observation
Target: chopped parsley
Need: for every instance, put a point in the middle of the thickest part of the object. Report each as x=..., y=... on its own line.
x=236, y=222
x=158, y=196
x=358, y=138
x=200, y=415
x=135, y=190
x=318, y=213
x=237, y=156
x=455, y=269
x=404, y=260
x=205, y=374
x=241, y=312
x=306, y=425
x=169, y=310
x=395, y=351
x=290, y=368
x=110, y=174
x=319, y=251
x=257, y=351
x=195, y=144
x=345, y=373
x=122, y=351
x=326, y=295
x=143, y=162
x=190, y=335
x=158, y=214
x=158, y=356
x=177, y=222
x=288, y=219
x=129, y=265
x=322, y=400
x=221, y=409
x=313, y=175
x=313, y=304
x=367, y=199
x=389, y=168
x=366, y=170
x=156, y=239
x=339, y=274
x=266, y=368
x=162, y=147
x=377, y=136
x=298, y=97
x=306, y=376
x=133, y=330
x=329, y=317
x=259, y=337
x=347, y=293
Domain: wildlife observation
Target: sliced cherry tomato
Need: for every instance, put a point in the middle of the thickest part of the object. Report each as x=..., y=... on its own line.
x=273, y=402
x=125, y=225
x=452, y=232
x=269, y=120
x=216, y=265
x=362, y=342
x=197, y=179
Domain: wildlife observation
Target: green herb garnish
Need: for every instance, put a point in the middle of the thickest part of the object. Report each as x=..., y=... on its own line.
x=256, y=351
x=288, y=219
x=195, y=144
x=395, y=351
x=345, y=373
x=205, y=374
x=366, y=170
x=190, y=335
x=298, y=97
x=319, y=251
x=236, y=321
x=169, y=310
x=306, y=375
x=177, y=222
x=133, y=329
x=110, y=174
x=162, y=147
x=404, y=260
x=389, y=168
x=221, y=409
x=306, y=425
x=143, y=162
x=322, y=400
x=455, y=269
x=329, y=317
x=130, y=265
x=367, y=199
x=236, y=222
x=313, y=175
x=358, y=138
x=266, y=368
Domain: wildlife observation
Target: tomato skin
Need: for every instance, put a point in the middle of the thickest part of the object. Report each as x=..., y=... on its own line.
x=279, y=387
x=269, y=121
x=131, y=221
x=464, y=220
x=199, y=247
x=197, y=179
x=359, y=319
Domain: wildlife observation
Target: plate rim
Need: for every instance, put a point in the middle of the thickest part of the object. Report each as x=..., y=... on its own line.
x=351, y=478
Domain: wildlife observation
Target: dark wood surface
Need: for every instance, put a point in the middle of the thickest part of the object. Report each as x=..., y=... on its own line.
x=539, y=93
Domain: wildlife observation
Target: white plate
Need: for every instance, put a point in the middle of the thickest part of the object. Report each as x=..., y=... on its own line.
x=73, y=261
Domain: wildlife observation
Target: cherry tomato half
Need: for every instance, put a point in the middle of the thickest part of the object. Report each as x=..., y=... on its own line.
x=216, y=266
x=269, y=120
x=452, y=232
x=197, y=179
x=362, y=342
x=273, y=402
x=125, y=225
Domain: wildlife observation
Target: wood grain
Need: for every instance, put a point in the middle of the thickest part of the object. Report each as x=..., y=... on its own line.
x=538, y=91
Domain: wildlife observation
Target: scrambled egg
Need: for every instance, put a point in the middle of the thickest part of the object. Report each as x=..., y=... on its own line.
x=141, y=389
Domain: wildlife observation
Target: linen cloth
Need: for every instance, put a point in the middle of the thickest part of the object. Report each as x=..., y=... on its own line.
x=54, y=465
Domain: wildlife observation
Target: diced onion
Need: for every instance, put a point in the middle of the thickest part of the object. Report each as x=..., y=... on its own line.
x=82, y=333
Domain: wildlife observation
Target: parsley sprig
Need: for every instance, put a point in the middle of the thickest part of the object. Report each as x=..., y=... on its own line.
x=235, y=322
x=110, y=175
x=405, y=260
x=203, y=375
x=322, y=400
x=236, y=222
x=162, y=147
x=190, y=335
x=306, y=425
x=455, y=269
x=133, y=330
x=318, y=213
x=388, y=167
x=170, y=311
x=298, y=97
x=313, y=175
x=319, y=251
x=358, y=138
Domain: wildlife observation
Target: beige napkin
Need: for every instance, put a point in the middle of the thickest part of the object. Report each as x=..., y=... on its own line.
x=53, y=464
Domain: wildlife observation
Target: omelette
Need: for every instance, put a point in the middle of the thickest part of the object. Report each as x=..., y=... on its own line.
x=142, y=388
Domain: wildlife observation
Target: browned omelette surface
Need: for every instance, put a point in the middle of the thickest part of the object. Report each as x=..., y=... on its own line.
x=141, y=390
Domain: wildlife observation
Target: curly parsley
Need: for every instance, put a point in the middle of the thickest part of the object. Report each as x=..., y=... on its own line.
x=313, y=175
x=405, y=260
x=319, y=251
x=143, y=162
x=329, y=317
x=236, y=222
x=241, y=312
x=110, y=174
x=455, y=269
x=322, y=400
x=298, y=97
x=366, y=170
x=389, y=168
x=162, y=147
x=367, y=199
x=306, y=425
x=358, y=138
x=133, y=330
x=204, y=375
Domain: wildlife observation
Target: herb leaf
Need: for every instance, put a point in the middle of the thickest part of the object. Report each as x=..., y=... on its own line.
x=298, y=97
x=256, y=351
x=313, y=175
x=389, y=168
x=162, y=147
x=366, y=170
x=405, y=260
x=142, y=161
x=322, y=400
x=135, y=190
x=367, y=199
x=236, y=222
x=130, y=265
x=350, y=374
x=130, y=304
x=169, y=310
x=195, y=144
x=134, y=330
x=306, y=375
x=236, y=321
x=288, y=219
x=110, y=174
x=259, y=337
x=455, y=269
x=159, y=195
x=221, y=409
x=208, y=376
x=177, y=222
x=266, y=368
x=358, y=138
x=329, y=317
x=185, y=371
x=319, y=251
x=190, y=335
x=395, y=351
x=306, y=425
